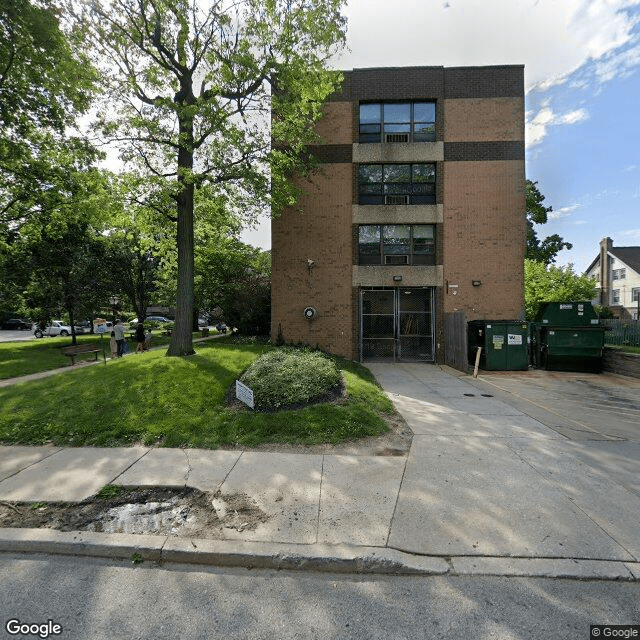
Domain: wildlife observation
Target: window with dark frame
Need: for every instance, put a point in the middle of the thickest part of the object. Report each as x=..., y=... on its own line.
x=413, y=183
x=397, y=122
x=397, y=244
x=619, y=274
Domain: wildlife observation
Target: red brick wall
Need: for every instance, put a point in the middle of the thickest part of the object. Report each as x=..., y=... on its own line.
x=483, y=119
x=336, y=127
x=480, y=184
x=320, y=230
x=484, y=238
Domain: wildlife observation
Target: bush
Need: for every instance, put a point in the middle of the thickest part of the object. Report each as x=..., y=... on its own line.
x=288, y=376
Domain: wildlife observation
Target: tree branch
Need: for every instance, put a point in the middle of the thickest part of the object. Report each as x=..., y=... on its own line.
x=169, y=143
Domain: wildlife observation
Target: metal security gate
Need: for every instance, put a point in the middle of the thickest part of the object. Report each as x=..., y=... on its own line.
x=397, y=324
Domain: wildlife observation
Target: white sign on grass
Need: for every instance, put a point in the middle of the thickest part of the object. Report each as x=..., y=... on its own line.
x=244, y=393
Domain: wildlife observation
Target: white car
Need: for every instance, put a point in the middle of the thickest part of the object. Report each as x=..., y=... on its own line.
x=56, y=328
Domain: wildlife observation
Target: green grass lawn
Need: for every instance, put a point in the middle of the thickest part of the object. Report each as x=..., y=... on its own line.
x=172, y=402
x=626, y=348
x=42, y=354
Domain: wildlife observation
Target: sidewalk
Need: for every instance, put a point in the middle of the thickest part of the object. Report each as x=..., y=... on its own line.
x=485, y=490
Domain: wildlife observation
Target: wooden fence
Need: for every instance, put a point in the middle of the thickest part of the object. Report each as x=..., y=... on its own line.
x=455, y=340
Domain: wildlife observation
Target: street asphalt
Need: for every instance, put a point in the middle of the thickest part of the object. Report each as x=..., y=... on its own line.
x=514, y=473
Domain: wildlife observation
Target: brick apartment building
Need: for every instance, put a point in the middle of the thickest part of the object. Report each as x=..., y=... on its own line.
x=417, y=210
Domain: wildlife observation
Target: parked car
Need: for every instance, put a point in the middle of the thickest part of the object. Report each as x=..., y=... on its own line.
x=17, y=324
x=157, y=319
x=83, y=327
x=56, y=328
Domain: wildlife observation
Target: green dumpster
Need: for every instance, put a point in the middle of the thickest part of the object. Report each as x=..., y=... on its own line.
x=503, y=342
x=567, y=336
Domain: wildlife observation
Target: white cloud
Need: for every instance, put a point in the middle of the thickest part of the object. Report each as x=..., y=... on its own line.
x=629, y=233
x=538, y=126
x=552, y=38
x=563, y=212
x=621, y=64
x=578, y=115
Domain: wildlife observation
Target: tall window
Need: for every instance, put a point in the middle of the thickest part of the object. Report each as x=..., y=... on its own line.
x=615, y=296
x=397, y=183
x=398, y=122
x=635, y=294
x=397, y=244
x=619, y=274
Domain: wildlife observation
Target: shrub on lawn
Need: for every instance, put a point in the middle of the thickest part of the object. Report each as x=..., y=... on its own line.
x=288, y=376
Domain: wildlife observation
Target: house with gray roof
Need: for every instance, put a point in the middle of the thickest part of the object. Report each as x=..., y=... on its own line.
x=617, y=271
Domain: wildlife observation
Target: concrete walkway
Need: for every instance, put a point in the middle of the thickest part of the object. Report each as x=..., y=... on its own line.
x=486, y=489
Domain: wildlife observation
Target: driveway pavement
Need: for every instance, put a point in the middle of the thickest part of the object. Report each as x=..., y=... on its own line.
x=510, y=474
x=487, y=476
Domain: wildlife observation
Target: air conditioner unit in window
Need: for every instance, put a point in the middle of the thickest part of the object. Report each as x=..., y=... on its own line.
x=396, y=137
x=396, y=260
x=396, y=199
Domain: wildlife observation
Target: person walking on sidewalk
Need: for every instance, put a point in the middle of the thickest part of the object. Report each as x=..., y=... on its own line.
x=140, y=337
x=119, y=331
x=113, y=344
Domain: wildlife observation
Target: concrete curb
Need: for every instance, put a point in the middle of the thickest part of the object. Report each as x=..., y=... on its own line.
x=314, y=557
x=264, y=555
x=80, y=543
x=577, y=569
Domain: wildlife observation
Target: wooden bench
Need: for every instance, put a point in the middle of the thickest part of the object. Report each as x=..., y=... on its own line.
x=79, y=349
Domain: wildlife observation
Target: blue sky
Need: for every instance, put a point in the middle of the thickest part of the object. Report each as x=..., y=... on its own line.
x=582, y=80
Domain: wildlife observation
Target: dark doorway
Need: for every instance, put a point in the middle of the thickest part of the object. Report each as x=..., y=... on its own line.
x=397, y=324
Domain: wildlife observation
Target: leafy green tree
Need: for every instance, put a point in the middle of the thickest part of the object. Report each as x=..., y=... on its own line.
x=544, y=283
x=68, y=273
x=134, y=266
x=45, y=84
x=237, y=279
x=60, y=250
x=547, y=249
x=139, y=237
x=67, y=270
x=190, y=87
x=43, y=81
x=14, y=278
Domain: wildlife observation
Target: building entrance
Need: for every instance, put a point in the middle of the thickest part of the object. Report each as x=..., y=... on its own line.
x=397, y=324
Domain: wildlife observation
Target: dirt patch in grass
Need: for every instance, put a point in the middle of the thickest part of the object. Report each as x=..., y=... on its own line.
x=182, y=512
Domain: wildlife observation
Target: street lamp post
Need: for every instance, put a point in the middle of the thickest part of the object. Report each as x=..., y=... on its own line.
x=114, y=302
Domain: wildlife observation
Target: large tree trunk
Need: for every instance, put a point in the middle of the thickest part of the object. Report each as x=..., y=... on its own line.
x=181, y=337
x=72, y=320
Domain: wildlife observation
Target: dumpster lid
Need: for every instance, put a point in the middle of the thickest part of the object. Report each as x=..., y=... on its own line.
x=484, y=322
x=568, y=314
